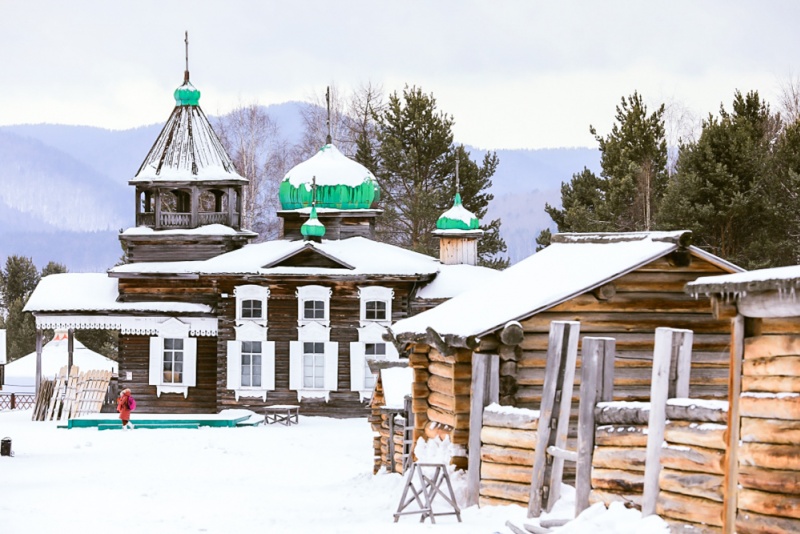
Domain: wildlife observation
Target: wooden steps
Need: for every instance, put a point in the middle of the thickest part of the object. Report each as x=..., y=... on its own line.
x=151, y=425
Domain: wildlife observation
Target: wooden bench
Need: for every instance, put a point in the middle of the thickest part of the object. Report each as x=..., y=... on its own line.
x=284, y=414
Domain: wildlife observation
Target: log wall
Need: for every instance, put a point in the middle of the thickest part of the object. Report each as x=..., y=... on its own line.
x=691, y=480
x=629, y=310
x=379, y=421
x=620, y=451
x=441, y=397
x=508, y=442
x=769, y=455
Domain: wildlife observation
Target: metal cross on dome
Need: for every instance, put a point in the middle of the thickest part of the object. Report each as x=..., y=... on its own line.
x=313, y=191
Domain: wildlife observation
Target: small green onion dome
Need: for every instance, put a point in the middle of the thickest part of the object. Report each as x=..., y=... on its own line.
x=458, y=218
x=312, y=227
x=187, y=95
x=342, y=183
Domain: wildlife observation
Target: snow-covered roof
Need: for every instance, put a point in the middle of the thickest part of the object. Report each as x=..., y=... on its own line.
x=782, y=279
x=572, y=265
x=76, y=292
x=366, y=256
x=209, y=229
x=54, y=357
x=330, y=167
x=396, y=382
x=187, y=149
x=453, y=280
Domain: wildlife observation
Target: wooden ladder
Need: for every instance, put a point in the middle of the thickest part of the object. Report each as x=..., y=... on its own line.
x=551, y=451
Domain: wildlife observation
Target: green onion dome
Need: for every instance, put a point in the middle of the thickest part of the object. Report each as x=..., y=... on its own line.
x=187, y=95
x=341, y=183
x=312, y=227
x=458, y=218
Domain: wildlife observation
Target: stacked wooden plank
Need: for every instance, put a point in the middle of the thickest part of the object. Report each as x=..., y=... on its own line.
x=71, y=395
x=769, y=455
x=376, y=422
x=693, y=465
x=508, y=440
x=620, y=451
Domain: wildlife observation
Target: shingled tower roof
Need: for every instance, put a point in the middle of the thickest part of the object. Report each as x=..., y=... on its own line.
x=187, y=149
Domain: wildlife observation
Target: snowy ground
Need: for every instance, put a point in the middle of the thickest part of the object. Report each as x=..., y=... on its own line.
x=315, y=477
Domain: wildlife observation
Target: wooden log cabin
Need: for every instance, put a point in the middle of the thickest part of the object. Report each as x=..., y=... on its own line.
x=761, y=482
x=621, y=285
x=208, y=322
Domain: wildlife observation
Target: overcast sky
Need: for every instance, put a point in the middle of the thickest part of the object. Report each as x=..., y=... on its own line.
x=514, y=74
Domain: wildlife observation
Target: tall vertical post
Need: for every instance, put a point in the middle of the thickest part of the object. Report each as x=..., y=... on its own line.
x=478, y=393
x=39, y=339
x=70, y=347
x=597, y=383
x=672, y=351
x=730, y=491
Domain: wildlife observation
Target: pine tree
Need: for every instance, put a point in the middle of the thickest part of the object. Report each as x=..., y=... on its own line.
x=416, y=172
x=626, y=195
x=722, y=189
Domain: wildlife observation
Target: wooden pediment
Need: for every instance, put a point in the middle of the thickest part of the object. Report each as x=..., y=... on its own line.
x=309, y=256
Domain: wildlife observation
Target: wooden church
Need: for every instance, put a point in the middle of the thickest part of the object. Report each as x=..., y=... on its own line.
x=208, y=321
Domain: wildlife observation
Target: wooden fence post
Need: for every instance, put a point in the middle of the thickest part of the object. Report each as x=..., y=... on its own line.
x=730, y=492
x=672, y=350
x=597, y=382
x=562, y=352
x=483, y=391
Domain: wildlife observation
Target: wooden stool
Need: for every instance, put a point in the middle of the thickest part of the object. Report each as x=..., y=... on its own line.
x=284, y=414
x=426, y=491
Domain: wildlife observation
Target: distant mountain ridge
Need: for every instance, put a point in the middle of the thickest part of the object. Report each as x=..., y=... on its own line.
x=64, y=190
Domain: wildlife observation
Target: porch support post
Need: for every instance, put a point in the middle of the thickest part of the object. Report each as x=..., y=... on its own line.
x=70, y=347
x=39, y=338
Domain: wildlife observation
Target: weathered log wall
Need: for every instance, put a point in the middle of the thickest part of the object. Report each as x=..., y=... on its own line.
x=385, y=430
x=693, y=466
x=649, y=297
x=620, y=451
x=441, y=393
x=769, y=455
x=508, y=441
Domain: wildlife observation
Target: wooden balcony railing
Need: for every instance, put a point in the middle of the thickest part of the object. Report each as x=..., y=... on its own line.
x=184, y=220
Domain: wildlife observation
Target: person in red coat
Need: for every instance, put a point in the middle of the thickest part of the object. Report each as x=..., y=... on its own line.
x=124, y=408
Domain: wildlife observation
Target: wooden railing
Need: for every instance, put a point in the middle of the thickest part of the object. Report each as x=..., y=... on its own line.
x=212, y=217
x=176, y=220
x=16, y=401
x=146, y=219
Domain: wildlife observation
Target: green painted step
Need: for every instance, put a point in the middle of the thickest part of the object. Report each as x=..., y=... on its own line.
x=149, y=424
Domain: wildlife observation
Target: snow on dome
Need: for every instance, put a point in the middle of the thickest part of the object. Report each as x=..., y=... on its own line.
x=341, y=182
x=458, y=218
x=313, y=227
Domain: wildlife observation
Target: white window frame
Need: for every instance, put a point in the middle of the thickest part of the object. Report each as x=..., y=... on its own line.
x=173, y=328
x=250, y=331
x=251, y=292
x=311, y=293
x=375, y=294
x=371, y=333
x=313, y=332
